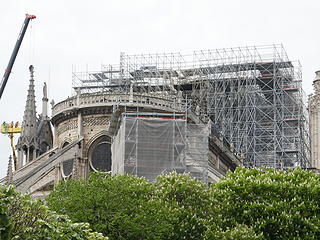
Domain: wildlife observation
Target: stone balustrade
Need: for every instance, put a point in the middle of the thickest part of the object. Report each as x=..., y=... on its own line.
x=110, y=99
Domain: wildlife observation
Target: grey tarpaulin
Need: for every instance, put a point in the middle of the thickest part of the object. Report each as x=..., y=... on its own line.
x=150, y=146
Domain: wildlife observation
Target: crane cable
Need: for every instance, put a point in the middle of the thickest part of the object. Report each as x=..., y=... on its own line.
x=32, y=43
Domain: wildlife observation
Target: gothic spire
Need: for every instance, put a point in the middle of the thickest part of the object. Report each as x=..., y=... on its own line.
x=28, y=143
x=29, y=124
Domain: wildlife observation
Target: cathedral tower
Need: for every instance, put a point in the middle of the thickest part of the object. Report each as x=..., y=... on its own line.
x=314, y=113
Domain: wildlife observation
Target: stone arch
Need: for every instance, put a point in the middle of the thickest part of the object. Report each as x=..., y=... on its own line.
x=94, y=138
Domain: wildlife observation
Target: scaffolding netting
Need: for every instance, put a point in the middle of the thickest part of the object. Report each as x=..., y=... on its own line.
x=148, y=147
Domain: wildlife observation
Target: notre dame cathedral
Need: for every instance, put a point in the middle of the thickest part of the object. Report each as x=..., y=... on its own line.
x=114, y=132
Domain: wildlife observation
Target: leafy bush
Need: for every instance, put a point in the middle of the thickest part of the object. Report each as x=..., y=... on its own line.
x=26, y=219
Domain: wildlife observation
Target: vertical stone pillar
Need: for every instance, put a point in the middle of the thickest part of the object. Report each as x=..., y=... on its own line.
x=34, y=153
x=80, y=133
x=79, y=124
x=55, y=136
x=28, y=155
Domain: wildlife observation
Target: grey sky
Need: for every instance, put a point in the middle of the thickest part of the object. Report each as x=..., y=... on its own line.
x=81, y=33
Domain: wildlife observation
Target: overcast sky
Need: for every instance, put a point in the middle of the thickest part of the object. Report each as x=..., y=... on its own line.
x=88, y=33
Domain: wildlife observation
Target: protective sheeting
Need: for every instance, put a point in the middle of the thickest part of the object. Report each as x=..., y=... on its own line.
x=150, y=146
x=197, y=150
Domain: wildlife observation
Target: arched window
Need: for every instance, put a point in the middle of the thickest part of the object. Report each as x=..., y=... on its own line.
x=100, y=154
x=67, y=166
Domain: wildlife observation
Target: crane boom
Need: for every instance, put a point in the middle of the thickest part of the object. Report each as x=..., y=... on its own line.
x=15, y=52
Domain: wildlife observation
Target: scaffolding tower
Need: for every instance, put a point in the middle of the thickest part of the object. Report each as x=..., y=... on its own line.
x=252, y=95
x=255, y=100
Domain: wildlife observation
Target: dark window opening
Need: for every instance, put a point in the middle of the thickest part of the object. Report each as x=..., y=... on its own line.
x=100, y=155
x=67, y=167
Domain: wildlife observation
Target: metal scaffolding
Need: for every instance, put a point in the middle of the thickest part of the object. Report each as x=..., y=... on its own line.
x=255, y=99
x=109, y=78
x=253, y=96
x=152, y=144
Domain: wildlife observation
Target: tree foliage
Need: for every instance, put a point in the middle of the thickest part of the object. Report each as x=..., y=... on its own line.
x=121, y=207
x=187, y=198
x=5, y=224
x=127, y=207
x=24, y=218
x=247, y=204
x=277, y=204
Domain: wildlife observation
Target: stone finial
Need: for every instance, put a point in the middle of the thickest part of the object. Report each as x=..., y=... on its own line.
x=52, y=103
x=45, y=90
x=45, y=101
x=31, y=69
x=10, y=172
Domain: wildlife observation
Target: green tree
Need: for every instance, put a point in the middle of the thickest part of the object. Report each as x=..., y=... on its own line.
x=6, y=194
x=128, y=207
x=31, y=219
x=277, y=204
x=247, y=204
x=121, y=206
x=188, y=200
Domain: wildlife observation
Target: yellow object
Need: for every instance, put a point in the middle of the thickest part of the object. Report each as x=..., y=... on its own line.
x=5, y=129
x=11, y=129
